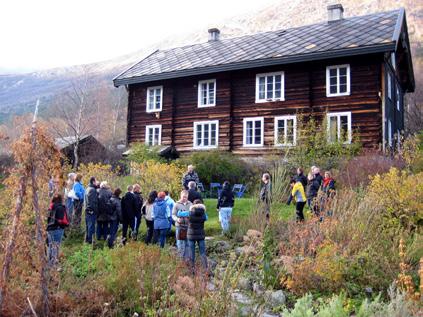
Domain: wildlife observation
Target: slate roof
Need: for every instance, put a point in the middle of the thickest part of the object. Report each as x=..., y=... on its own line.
x=371, y=33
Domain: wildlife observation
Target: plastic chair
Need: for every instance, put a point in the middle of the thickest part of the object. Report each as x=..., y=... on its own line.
x=215, y=187
x=239, y=190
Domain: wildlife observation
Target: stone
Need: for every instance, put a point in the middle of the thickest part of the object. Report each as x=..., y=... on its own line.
x=239, y=250
x=269, y=314
x=245, y=284
x=222, y=246
x=211, y=287
x=275, y=298
x=241, y=298
x=258, y=289
x=211, y=264
x=254, y=234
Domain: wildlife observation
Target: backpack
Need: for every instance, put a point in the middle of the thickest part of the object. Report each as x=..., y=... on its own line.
x=63, y=222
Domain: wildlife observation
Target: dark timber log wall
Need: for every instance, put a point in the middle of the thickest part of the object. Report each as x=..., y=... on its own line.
x=305, y=92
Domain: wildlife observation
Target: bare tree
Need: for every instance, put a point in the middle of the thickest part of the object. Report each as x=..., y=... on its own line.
x=414, y=112
x=120, y=97
x=75, y=107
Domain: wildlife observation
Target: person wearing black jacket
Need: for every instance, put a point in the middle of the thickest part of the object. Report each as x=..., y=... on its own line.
x=196, y=233
x=301, y=177
x=315, y=185
x=115, y=217
x=138, y=207
x=91, y=210
x=193, y=194
x=104, y=211
x=225, y=203
x=128, y=212
x=56, y=222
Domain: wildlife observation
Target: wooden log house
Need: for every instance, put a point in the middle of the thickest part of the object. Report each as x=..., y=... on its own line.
x=245, y=94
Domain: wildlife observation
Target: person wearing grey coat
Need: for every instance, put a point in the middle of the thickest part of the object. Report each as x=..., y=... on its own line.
x=115, y=217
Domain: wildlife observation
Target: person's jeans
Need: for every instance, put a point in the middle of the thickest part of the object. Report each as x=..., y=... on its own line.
x=90, y=220
x=113, y=228
x=150, y=231
x=181, y=245
x=102, y=230
x=299, y=207
x=202, y=250
x=54, y=238
x=160, y=235
x=77, y=212
x=225, y=214
x=136, y=225
x=69, y=208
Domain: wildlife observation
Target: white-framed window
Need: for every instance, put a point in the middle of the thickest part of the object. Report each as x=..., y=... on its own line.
x=389, y=85
x=207, y=93
x=398, y=99
x=339, y=127
x=206, y=134
x=270, y=87
x=153, y=134
x=154, y=98
x=285, y=131
x=253, y=132
x=389, y=132
x=338, y=82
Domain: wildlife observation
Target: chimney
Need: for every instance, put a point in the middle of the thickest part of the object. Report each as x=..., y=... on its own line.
x=214, y=34
x=335, y=12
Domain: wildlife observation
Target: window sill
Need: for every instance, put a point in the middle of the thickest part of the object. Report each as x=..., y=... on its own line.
x=204, y=148
x=253, y=146
x=338, y=95
x=206, y=106
x=269, y=100
x=154, y=111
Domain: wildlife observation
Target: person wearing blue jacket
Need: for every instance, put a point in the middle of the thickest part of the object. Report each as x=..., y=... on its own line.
x=78, y=201
x=161, y=215
x=170, y=202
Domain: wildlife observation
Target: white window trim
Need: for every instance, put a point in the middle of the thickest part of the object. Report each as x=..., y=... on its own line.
x=282, y=98
x=288, y=117
x=195, y=146
x=389, y=132
x=348, y=92
x=389, y=85
x=244, y=132
x=147, y=134
x=338, y=115
x=393, y=61
x=398, y=99
x=148, y=97
x=208, y=81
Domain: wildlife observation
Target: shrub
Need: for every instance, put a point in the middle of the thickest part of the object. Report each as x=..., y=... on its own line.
x=401, y=196
x=102, y=172
x=412, y=152
x=140, y=153
x=152, y=175
x=216, y=166
x=314, y=148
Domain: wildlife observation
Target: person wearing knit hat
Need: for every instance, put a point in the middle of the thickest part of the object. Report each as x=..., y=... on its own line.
x=161, y=215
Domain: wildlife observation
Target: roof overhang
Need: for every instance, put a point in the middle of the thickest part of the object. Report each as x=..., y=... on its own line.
x=379, y=48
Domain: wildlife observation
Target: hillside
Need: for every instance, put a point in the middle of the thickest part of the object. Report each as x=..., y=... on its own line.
x=19, y=91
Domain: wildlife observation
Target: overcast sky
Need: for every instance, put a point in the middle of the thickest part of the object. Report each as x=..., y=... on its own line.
x=40, y=34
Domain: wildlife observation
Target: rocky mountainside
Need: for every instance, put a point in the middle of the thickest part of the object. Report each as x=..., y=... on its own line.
x=19, y=91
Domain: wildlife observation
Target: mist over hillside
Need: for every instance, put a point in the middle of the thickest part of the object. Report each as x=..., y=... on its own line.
x=18, y=92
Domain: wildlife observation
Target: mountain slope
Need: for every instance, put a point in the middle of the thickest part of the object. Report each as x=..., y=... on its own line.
x=18, y=92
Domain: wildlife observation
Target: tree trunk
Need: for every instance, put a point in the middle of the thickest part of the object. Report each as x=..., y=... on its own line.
x=40, y=236
x=75, y=154
x=8, y=255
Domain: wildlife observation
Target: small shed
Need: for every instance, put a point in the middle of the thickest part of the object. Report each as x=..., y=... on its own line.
x=89, y=150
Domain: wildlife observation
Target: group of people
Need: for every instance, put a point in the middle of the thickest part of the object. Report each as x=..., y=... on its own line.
x=106, y=210
x=305, y=189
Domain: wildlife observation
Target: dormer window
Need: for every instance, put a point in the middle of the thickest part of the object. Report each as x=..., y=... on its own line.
x=338, y=80
x=270, y=87
x=207, y=93
x=154, y=98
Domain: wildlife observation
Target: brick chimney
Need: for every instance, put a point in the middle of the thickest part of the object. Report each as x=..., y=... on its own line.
x=335, y=12
x=214, y=34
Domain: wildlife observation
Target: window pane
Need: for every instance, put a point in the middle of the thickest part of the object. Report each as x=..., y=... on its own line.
x=269, y=94
x=257, y=132
x=343, y=71
x=333, y=129
x=344, y=129
x=158, y=101
x=280, y=131
x=249, y=131
x=213, y=134
x=261, y=88
x=157, y=136
x=333, y=90
x=211, y=93
x=151, y=100
x=290, y=131
x=198, y=135
x=278, y=86
x=206, y=135
x=332, y=72
x=333, y=81
x=150, y=136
